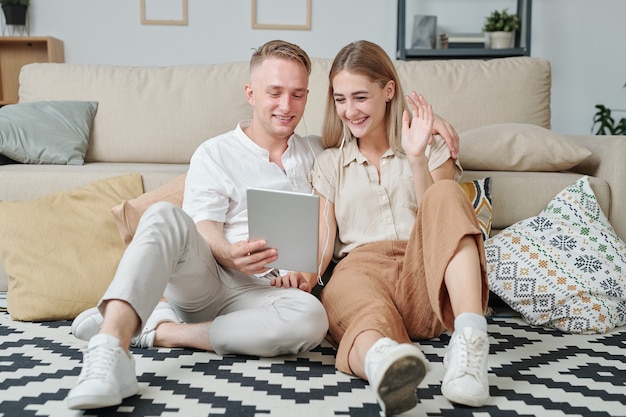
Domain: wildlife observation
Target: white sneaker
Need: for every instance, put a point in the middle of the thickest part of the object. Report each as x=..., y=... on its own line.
x=465, y=381
x=162, y=313
x=87, y=324
x=108, y=375
x=394, y=372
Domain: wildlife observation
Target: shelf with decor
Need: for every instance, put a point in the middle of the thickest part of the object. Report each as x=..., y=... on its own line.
x=17, y=51
x=407, y=51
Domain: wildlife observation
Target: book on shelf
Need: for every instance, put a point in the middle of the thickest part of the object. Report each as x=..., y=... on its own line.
x=454, y=45
x=462, y=40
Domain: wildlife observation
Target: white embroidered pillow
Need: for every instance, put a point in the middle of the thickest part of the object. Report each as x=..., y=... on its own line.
x=564, y=268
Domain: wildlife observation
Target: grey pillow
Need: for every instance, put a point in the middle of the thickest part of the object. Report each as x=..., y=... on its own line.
x=47, y=132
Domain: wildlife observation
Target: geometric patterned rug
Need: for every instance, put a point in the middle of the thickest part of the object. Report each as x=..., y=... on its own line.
x=533, y=372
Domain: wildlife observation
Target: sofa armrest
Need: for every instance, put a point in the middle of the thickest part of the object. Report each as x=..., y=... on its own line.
x=607, y=162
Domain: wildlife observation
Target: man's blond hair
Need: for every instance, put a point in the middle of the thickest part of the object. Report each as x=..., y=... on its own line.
x=280, y=49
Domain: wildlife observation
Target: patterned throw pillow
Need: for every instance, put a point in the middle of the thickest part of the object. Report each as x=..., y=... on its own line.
x=565, y=268
x=479, y=193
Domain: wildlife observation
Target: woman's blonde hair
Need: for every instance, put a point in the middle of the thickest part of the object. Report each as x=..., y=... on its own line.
x=369, y=60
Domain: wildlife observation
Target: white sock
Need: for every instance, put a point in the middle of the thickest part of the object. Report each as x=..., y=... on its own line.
x=473, y=320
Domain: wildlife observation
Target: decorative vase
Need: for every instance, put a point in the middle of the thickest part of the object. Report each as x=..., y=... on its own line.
x=500, y=40
x=14, y=14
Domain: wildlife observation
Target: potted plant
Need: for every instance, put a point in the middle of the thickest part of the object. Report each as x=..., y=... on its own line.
x=15, y=11
x=605, y=124
x=500, y=26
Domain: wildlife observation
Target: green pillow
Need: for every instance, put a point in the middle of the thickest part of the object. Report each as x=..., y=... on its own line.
x=47, y=132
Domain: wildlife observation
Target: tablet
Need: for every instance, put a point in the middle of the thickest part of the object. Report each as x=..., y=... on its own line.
x=288, y=221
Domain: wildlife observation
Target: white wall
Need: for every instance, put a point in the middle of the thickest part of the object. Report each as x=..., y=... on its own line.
x=583, y=40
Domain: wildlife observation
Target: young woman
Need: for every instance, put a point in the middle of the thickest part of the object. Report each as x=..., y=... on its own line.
x=410, y=257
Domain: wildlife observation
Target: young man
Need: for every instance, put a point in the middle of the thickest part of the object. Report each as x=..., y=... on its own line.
x=213, y=277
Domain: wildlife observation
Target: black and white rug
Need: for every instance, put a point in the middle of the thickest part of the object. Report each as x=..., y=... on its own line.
x=534, y=372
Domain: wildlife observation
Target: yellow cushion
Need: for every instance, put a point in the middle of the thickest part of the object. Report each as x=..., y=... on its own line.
x=60, y=251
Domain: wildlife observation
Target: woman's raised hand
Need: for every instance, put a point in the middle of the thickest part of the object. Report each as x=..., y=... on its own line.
x=417, y=127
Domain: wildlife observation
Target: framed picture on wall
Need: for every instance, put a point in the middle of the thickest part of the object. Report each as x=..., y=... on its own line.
x=281, y=14
x=164, y=12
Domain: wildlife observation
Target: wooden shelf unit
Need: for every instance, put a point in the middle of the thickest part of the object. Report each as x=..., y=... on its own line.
x=15, y=52
x=521, y=48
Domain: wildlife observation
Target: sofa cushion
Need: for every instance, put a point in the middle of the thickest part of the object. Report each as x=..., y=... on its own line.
x=27, y=182
x=60, y=251
x=169, y=113
x=470, y=93
x=518, y=147
x=173, y=109
x=563, y=268
x=46, y=132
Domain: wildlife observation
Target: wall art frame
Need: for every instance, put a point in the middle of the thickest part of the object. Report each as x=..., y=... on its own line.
x=293, y=15
x=177, y=8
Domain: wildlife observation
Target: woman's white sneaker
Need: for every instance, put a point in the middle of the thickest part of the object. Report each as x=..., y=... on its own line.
x=465, y=381
x=394, y=372
x=107, y=377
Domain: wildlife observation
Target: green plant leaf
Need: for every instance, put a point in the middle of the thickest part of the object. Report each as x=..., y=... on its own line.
x=501, y=21
x=605, y=124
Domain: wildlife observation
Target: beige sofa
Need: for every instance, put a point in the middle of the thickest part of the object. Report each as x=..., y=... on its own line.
x=150, y=120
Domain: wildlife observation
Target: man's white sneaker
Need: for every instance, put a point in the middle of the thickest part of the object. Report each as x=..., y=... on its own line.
x=465, y=381
x=394, y=372
x=162, y=313
x=87, y=324
x=108, y=375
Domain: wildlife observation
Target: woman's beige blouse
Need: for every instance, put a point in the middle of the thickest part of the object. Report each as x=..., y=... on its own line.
x=368, y=208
